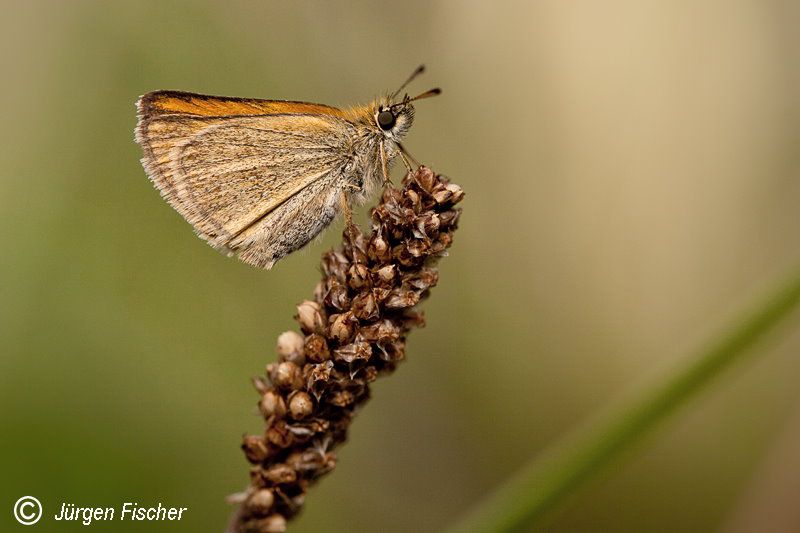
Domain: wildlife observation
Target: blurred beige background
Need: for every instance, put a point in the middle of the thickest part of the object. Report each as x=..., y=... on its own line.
x=633, y=179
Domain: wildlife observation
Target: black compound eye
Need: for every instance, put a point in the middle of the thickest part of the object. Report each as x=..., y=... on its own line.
x=386, y=120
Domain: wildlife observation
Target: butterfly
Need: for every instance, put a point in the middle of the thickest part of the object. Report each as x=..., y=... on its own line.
x=259, y=179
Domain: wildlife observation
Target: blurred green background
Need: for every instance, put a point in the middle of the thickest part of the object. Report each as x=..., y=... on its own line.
x=631, y=171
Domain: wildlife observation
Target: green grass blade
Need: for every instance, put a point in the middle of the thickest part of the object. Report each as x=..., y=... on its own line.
x=541, y=484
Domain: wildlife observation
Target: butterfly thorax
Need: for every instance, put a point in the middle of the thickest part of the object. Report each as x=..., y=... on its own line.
x=370, y=138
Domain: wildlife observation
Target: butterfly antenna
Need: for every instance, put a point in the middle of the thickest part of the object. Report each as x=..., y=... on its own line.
x=426, y=94
x=419, y=70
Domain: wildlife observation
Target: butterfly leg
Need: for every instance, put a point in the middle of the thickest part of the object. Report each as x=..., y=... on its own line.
x=347, y=210
x=406, y=163
x=350, y=227
x=407, y=156
x=385, y=165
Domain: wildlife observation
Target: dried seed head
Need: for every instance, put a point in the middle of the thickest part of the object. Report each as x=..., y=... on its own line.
x=300, y=405
x=353, y=331
x=310, y=317
x=271, y=404
x=260, y=501
x=290, y=347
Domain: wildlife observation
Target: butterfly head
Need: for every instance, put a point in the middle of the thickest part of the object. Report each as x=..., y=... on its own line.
x=394, y=120
x=394, y=117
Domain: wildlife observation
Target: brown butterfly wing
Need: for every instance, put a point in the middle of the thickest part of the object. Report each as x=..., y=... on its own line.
x=177, y=102
x=228, y=172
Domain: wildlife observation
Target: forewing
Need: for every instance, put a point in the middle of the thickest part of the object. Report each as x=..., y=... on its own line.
x=224, y=174
x=176, y=102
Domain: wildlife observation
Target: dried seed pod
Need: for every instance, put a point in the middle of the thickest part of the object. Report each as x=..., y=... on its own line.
x=342, y=398
x=316, y=348
x=412, y=319
x=300, y=405
x=285, y=375
x=403, y=256
x=457, y=192
x=334, y=265
x=271, y=404
x=310, y=317
x=380, y=294
x=336, y=296
x=357, y=275
x=260, y=501
x=370, y=374
x=272, y=524
x=280, y=473
x=429, y=223
x=379, y=249
x=278, y=434
x=319, y=373
x=309, y=428
x=417, y=247
x=386, y=275
x=311, y=461
x=255, y=449
x=290, y=347
x=343, y=326
x=357, y=351
x=415, y=201
x=401, y=299
x=424, y=279
x=261, y=384
x=365, y=306
x=394, y=352
x=425, y=178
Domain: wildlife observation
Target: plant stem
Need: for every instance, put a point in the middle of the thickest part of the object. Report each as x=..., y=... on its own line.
x=544, y=482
